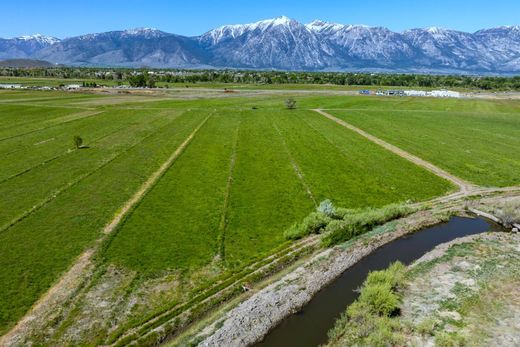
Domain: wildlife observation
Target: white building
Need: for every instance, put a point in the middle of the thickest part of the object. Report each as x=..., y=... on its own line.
x=415, y=93
x=444, y=94
x=10, y=86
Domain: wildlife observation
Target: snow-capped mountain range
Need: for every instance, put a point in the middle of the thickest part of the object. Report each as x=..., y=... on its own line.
x=284, y=43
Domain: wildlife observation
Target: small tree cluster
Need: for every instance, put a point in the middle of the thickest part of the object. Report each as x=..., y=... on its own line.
x=90, y=84
x=141, y=81
x=290, y=103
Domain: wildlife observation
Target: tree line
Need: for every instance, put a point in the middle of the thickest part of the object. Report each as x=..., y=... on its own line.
x=149, y=77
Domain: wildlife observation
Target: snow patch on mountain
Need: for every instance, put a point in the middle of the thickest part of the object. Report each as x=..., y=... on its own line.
x=284, y=43
x=39, y=38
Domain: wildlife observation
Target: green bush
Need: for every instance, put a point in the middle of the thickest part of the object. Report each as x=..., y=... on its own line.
x=357, y=222
x=290, y=103
x=312, y=224
x=393, y=276
x=369, y=320
x=340, y=224
x=380, y=298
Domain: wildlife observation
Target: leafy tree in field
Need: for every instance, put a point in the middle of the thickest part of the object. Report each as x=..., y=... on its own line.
x=78, y=141
x=138, y=81
x=150, y=82
x=290, y=103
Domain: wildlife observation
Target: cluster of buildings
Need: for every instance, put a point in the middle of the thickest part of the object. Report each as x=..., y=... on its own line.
x=431, y=93
x=10, y=86
x=20, y=86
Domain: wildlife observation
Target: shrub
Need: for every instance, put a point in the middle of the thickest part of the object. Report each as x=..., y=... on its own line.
x=368, y=321
x=290, y=103
x=312, y=224
x=342, y=213
x=338, y=231
x=358, y=222
x=327, y=208
x=393, y=276
x=380, y=299
x=510, y=213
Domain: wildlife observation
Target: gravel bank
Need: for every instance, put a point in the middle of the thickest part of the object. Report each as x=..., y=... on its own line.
x=251, y=320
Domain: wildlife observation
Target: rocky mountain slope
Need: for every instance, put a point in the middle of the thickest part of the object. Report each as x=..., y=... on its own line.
x=283, y=43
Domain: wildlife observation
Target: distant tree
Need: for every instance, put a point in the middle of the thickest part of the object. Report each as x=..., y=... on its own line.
x=78, y=141
x=150, y=82
x=290, y=103
x=138, y=81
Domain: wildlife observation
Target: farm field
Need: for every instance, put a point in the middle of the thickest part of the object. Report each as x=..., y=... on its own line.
x=249, y=170
x=55, y=82
x=476, y=141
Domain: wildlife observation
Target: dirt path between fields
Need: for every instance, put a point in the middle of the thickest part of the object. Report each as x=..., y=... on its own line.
x=150, y=182
x=463, y=185
x=221, y=238
x=81, y=271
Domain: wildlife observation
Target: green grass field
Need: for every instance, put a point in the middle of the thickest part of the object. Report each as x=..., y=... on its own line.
x=247, y=175
x=475, y=140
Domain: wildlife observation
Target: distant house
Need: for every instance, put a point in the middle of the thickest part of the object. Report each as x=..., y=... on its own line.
x=444, y=94
x=10, y=86
x=72, y=86
x=415, y=93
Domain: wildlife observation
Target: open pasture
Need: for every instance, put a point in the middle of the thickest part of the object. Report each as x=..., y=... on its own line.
x=477, y=140
x=251, y=170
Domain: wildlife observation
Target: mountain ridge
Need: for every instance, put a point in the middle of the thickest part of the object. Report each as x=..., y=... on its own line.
x=283, y=43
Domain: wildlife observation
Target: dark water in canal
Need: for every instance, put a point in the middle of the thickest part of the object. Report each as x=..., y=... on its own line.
x=309, y=327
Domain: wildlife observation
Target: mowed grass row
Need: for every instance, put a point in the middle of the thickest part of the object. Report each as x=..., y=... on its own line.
x=16, y=119
x=25, y=152
x=15, y=115
x=340, y=165
x=23, y=192
x=53, y=98
x=176, y=225
x=266, y=196
x=481, y=147
x=38, y=249
x=409, y=104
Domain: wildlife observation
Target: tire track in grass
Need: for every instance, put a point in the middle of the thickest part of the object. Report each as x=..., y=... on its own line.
x=78, y=116
x=76, y=276
x=221, y=238
x=295, y=165
x=463, y=185
x=69, y=151
x=74, y=182
x=151, y=181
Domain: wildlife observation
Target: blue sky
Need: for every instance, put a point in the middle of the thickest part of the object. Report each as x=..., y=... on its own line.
x=62, y=18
